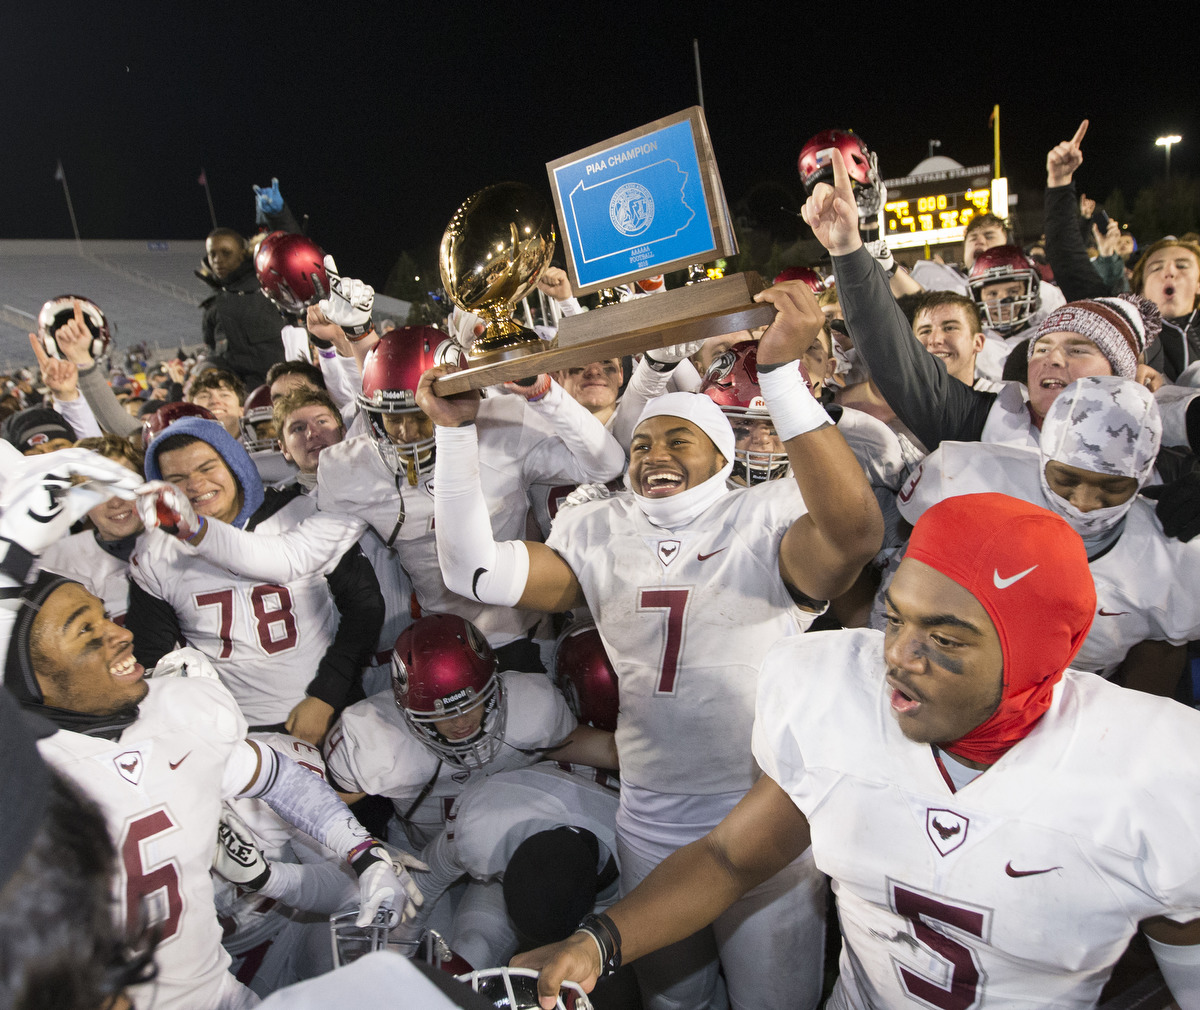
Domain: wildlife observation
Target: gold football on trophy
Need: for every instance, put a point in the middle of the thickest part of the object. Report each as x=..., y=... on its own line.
x=493, y=251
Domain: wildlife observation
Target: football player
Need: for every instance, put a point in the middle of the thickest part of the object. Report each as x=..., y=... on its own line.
x=291, y=652
x=1098, y=444
x=996, y=825
x=156, y=757
x=689, y=583
x=384, y=480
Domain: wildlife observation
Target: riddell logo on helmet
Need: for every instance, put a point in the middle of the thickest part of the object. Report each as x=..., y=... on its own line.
x=454, y=699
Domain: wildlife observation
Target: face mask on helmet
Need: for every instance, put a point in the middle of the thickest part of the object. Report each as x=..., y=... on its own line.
x=391, y=372
x=258, y=422
x=1005, y=287
x=60, y=310
x=350, y=942
x=816, y=165
x=445, y=684
x=516, y=989
x=731, y=382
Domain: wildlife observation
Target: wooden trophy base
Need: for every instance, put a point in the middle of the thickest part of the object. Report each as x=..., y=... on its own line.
x=707, y=309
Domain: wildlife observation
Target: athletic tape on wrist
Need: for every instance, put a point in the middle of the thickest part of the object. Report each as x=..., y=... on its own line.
x=790, y=401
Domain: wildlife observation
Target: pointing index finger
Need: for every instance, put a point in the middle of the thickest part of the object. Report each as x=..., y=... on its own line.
x=841, y=178
x=1078, y=138
x=38, y=350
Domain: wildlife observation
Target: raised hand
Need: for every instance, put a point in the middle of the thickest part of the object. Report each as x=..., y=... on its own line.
x=1065, y=158
x=60, y=377
x=555, y=283
x=798, y=320
x=446, y=411
x=832, y=213
x=75, y=339
x=163, y=505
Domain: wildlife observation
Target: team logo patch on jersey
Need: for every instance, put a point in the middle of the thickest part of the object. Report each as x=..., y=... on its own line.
x=947, y=830
x=668, y=551
x=129, y=765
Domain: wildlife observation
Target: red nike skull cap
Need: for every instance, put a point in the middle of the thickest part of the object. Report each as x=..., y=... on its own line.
x=1029, y=570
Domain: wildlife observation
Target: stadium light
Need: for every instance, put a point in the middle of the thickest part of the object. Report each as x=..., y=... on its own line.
x=1168, y=142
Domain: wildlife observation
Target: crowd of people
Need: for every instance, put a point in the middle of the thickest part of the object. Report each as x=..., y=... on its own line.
x=614, y=673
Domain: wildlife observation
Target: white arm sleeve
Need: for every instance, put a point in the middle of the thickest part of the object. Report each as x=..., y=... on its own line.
x=314, y=546
x=644, y=385
x=594, y=449
x=343, y=381
x=78, y=414
x=1180, y=967
x=472, y=563
x=325, y=887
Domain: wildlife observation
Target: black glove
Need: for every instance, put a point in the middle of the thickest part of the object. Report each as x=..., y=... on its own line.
x=1178, y=506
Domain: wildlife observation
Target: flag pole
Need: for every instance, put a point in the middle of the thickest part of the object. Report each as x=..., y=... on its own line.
x=699, y=82
x=61, y=176
x=996, y=135
x=203, y=180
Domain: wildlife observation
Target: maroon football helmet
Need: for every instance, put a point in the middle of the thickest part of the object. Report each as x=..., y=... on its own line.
x=1000, y=265
x=731, y=382
x=443, y=668
x=165, y=416
x=257, y=412
x=816, y=165
x=584, y=674
x=291, y=271
x=56, y=312
x=390, y=374
x=807, y=274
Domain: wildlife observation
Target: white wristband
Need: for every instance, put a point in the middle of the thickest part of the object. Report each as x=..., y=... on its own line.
x=790, y=401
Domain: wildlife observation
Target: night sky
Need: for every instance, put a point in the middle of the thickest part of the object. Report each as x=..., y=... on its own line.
x=380, y=121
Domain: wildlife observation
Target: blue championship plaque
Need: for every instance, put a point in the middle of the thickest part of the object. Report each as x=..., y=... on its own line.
x=644, y=203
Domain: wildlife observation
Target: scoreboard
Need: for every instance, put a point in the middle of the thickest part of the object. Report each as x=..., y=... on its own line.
x=935, y=209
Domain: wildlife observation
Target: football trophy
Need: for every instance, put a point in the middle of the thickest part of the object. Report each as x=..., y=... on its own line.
x=493, y=251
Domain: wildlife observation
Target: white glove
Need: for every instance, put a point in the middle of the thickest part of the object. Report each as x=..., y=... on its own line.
x=384, y=884
x=162, y=505
x=585, y=493
x=665, y=358
x=42, y=501
x=238, y=858
x=349, y=303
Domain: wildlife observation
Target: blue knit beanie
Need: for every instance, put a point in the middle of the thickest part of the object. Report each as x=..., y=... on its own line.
x=226, y=446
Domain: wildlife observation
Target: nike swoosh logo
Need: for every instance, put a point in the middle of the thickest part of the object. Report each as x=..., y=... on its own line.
x=479, y=574
x=1112, y=613
x=1027, y=873
x=176, y=764
x=1004, y=583
x=705, y=557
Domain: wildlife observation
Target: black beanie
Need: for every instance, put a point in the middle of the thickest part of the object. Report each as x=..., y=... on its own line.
x=550, y=883
x=35, y=426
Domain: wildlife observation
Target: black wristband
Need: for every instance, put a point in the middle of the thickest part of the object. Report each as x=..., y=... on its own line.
x=16, y=561
x=659, y=366
x=604, y=931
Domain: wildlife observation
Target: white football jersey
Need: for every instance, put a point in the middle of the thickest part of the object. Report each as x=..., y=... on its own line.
x=495, y=815
x=372, y=750
x=517, y=448
x=1147, y=584
x=81, y=558
x=160, y=787
x=264, y=639
x=686, y=617
x=1020, y=889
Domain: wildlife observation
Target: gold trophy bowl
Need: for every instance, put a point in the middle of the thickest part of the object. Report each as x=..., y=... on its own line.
x=493, y=251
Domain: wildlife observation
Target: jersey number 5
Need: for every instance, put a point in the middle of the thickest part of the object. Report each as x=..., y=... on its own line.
x=964, y=980
x=276, y=625
x=151, y=896
x=674, y=602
